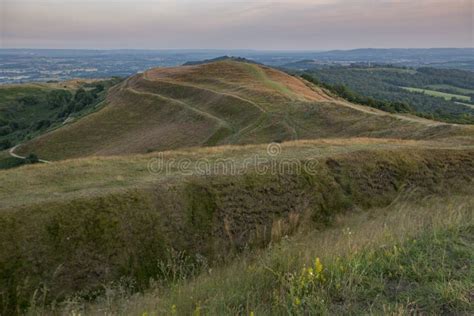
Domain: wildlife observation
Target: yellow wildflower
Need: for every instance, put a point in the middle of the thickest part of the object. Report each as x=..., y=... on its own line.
x=297, y=301
x=318, y=266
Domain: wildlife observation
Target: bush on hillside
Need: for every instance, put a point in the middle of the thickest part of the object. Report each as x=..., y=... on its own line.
x=32, y=158
x=58, y=98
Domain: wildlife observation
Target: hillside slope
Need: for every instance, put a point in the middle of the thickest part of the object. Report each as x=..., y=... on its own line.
x=225, y=102
x=73, y=226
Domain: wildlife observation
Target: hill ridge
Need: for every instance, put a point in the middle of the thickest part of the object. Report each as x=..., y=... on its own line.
x=224, y=102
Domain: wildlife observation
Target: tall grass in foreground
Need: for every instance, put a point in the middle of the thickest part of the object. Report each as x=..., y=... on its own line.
x=403, y=259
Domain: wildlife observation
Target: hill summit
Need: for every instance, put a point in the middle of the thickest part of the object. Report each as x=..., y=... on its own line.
x=221, y=58
x=217, y=103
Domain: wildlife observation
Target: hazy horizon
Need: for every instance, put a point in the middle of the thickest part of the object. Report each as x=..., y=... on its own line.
x=223, y=50
x=285, y=25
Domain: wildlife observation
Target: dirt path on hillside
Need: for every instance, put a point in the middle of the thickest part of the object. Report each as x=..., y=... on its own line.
x=221, y=122
x=182, y=84
x=12, y=153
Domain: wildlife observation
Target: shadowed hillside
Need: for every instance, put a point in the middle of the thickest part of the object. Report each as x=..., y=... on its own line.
x=225, y=102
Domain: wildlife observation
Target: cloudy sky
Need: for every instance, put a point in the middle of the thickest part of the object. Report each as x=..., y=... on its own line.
x=233, y=24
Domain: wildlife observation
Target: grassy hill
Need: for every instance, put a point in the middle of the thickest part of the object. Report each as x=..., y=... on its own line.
x=351, y=209
x=224, y=102
x=72, y=226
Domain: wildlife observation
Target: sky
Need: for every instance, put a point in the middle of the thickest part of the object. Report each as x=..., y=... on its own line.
x=233, y=24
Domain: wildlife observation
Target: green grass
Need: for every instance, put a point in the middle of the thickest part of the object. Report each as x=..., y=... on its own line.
x=446, y=96
x=466, y=104
x=262, y=76
x=459, y=90
x=100, y=175
x=9, y=94
x=73, y=226
x=411, y=257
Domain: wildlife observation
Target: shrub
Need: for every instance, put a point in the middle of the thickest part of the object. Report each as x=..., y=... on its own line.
x=32, y=158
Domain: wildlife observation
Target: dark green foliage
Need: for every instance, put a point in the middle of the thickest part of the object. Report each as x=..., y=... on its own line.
x=5, y=144
x=32, y=158
x=354, y=97
x=58, y=98
x=381, y=87
x=99, y=88
x=29, y=100
x=10, y=162
x=43, y=124
x=428, y=275
x=25, y=112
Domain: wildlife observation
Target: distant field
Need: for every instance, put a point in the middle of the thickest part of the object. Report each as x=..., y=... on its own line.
x=444, y=95
x=450, y=87
x=466, y=104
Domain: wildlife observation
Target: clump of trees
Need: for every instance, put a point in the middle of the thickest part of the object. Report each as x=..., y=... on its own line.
x=81, y=99
x=344, y=92
x=39, y=110
x=5, y=144
x=383, y=88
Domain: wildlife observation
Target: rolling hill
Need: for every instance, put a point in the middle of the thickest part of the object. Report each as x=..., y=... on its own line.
x=112, y=228
x=219, y=103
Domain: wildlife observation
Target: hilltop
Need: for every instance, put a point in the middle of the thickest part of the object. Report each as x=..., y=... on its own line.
x=219, y=103
x=221, y=58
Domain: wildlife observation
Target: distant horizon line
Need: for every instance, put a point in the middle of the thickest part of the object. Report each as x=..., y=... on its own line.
x=235, y=49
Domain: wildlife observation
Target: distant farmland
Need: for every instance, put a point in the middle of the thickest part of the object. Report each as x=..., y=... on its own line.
x=444, y=95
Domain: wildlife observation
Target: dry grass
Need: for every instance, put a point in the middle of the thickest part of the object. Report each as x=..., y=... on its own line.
x=102, y=175
x=222, y=103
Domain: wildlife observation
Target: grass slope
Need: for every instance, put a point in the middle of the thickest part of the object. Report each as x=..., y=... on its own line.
x=225, y=102
x=408, y=258
x=75, y=225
